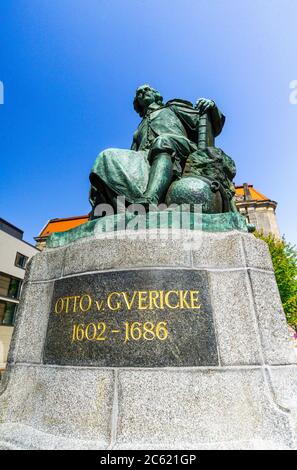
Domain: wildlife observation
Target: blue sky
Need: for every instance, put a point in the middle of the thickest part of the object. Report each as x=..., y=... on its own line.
x=70, y=69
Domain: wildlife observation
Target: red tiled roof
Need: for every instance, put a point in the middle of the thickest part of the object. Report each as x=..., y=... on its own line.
x=255, y=195
x=61, y=225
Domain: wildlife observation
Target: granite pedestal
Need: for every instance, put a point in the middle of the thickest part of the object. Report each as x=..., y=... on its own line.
x=164, y=343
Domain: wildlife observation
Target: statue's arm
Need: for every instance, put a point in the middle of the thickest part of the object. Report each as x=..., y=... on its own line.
x=217, y=118
x=189, y=118
x=134, y=145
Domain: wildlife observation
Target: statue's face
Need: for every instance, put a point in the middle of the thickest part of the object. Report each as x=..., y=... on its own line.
x=145, y=95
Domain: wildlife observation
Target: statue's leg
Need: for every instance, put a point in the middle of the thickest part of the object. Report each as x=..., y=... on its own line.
x=165, y=156
x=100, y=198
x=160, y=177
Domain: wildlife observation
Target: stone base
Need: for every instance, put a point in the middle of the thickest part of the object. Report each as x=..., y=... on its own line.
x=247, y=401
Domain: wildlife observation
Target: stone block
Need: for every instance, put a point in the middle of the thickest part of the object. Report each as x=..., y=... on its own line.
x=29, y=335
x=284, y=383
x=103, y=254
x=277, y=345
x=69, y=403
x=199, y=409
x=256, y=252
x=235, y=324
x=220, y=250
x=47, y=265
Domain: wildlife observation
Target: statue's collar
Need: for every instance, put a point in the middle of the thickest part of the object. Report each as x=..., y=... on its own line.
x=152, y=107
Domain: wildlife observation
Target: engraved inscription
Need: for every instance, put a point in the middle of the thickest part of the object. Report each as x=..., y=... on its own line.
x=103, y=320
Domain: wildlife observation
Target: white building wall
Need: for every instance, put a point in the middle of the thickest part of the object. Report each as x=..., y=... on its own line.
x=9, y=246
x=5, y=338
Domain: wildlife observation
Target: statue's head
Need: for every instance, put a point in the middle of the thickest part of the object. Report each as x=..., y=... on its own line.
x=144, y=96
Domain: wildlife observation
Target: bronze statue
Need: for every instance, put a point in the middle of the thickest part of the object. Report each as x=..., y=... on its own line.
x=172, y=160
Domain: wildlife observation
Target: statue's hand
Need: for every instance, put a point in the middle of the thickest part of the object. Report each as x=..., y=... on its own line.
x=203, y=105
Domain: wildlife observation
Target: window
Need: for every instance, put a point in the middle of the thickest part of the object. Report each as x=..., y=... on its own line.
x=7, y=313
x=21, y=260
x=10, y=286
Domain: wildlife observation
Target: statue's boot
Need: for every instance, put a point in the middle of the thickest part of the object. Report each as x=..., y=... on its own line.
x=160, y=177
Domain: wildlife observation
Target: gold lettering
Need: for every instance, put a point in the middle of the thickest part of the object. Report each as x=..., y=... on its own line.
x=101, y=327
x=153, y=296
x=148, y=331
x=74, y=333
x=135, y=331
x=167, y=298
x=161, y=331
x=182, y=297
x=93, y=336
x=194, y=297
x=147, y=300
x=142, y=297
x=75, y=297
x=67, y=304
x=129, y=304
x=100, y=305
x=80, y=332
x=109, y=298
x=81, y=302
x=59, y=310
x=161, y=299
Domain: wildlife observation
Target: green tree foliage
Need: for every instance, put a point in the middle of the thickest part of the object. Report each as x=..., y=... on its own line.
x=284, y=260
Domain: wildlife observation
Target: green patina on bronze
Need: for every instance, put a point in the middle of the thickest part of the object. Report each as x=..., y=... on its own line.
x=176, y=220
x=172, y=160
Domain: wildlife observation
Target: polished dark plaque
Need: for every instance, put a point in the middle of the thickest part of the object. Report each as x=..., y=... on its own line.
x=145, y=318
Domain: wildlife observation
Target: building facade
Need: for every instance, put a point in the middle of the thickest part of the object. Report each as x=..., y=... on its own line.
x=258, y=209
x=14, y=255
